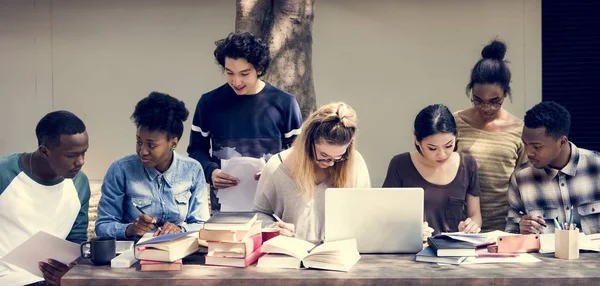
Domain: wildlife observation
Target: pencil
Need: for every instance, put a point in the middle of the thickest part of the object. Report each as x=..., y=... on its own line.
x=140, y=209
x=277, y=218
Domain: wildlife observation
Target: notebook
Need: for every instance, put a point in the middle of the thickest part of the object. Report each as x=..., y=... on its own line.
x=428, y=255
x=336, y=255
x=231, y=221
x=168, y=248
x=444, y=246
x=383, y=220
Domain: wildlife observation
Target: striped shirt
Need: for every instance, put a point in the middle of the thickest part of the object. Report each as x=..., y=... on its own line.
x=497, y=155
x=550, y=193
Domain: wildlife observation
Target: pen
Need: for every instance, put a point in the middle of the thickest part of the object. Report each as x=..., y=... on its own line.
x=556, y=224
x=570, y=217
x=277, y=218
x=140, y=209
x=541, y=223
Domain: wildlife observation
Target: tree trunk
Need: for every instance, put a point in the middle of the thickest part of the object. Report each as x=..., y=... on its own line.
x=287, y=26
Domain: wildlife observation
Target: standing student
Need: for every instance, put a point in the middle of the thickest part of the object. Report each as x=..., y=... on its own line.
x=560, y=179
x=449, y=178
x=155, y=189
x=323, y=156
x=491, y=134
x=45, y=190
x=245, y=116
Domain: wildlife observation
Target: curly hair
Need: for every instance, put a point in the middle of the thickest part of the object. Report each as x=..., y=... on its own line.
x=161, y=112
x=57, y=123
x=246, y=46
x=492, y=68
x=551, y=115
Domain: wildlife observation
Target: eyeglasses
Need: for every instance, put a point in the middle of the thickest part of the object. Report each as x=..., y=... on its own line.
x=494, y=104
x=341, y=159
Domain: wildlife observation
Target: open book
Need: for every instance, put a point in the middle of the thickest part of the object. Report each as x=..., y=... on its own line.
x=288, y=252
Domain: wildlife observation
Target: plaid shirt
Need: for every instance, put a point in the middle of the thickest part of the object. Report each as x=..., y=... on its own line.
x=550, y=193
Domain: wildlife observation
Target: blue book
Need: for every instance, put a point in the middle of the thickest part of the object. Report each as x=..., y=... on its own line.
x=166, y=237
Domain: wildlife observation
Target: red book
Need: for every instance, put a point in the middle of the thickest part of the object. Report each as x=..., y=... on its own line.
x=149, y=265
x=234, y=262
x=235, y=249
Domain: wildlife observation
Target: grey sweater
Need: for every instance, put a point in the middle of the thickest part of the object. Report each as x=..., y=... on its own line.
x=277, y=193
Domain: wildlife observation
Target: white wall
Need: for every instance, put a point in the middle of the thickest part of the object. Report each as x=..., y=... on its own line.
x=388, y=59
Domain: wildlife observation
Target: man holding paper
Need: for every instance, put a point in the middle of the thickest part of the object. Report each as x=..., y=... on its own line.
x=559, y=181
x=245, y=117
x=45, y=191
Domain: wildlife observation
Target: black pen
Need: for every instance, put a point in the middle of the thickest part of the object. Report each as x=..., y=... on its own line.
x=140, y=209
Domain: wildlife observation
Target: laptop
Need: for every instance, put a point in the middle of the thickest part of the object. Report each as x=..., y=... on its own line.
x=383, y=220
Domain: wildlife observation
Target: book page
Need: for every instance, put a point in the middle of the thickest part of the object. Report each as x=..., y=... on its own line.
x=347, y=245
x=287, y=245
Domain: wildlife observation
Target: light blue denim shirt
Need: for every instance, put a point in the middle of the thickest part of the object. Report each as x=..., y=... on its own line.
x=176, y=196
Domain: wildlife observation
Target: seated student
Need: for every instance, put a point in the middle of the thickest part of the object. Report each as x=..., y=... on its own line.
x=558, y=177
x=293, y=183
x=448, y=178
x=45, y=191
x=245, y=116
x=167, y=187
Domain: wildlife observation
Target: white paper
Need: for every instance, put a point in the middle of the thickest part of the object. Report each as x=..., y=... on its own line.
x=41, y=247
x=240, y=197
x=476, y=238
x=586, y=242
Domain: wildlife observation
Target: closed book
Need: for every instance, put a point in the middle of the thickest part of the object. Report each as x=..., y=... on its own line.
x=231, y=221
x=167, y=248
x=235, y=249
x=148, y=265
x=428, y=255
x=233, y=262
x=339, y=255
x=230, y=235
x=444, y=246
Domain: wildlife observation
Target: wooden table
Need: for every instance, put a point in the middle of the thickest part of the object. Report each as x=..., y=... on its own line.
x=370, y=270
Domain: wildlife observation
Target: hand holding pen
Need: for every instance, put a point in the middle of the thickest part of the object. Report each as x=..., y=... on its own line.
x=286, y=229
x=531, y=224
x=142, y=225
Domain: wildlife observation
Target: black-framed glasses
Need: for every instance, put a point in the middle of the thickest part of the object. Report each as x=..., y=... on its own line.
x=493, y=104
x=341, y=159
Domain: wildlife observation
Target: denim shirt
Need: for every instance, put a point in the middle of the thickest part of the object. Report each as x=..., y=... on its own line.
x=176, y=196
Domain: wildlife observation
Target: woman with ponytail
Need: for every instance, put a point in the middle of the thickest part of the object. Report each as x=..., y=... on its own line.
x=491, y=134
x=293, y=183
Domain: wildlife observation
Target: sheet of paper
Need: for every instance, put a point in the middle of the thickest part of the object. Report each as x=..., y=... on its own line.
x=522, y=258
x=476, y=238
x=547, y=243
x=41, y=247
x=240, y=197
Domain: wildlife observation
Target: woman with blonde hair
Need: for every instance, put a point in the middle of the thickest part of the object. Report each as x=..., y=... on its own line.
x=293, y=183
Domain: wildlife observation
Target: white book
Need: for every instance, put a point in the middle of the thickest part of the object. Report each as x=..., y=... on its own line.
x=339, y=255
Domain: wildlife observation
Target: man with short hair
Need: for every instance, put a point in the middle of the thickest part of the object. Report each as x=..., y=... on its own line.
x=45, y=190
x=245, y=116
x=558, y=180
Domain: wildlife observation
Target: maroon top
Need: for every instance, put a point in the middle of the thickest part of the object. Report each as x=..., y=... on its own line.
x=444, y=205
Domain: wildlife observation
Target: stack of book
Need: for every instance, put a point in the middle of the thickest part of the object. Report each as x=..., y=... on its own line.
x=234, y=239
x=164, y=253
x=446, y=250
